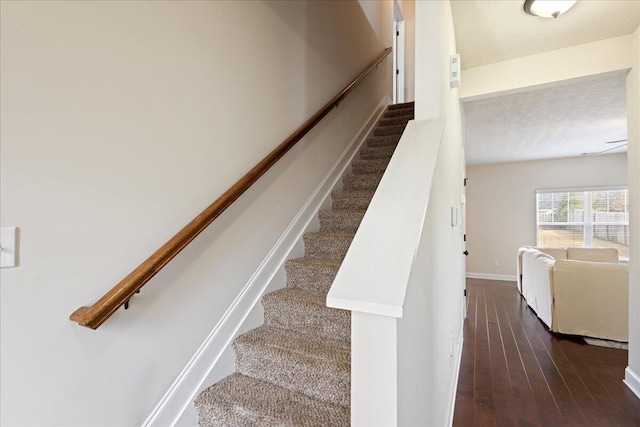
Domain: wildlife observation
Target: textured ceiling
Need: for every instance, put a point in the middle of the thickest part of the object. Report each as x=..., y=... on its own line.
x=561, y=121
x=494, y=31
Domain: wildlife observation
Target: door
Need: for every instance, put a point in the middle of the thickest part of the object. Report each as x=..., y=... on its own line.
x=398, y=62
x=463, y=230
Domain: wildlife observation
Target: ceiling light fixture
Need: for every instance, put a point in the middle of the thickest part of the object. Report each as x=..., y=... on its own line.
x=547, y=8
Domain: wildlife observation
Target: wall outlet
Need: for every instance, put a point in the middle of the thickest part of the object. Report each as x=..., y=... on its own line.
x=497, y=263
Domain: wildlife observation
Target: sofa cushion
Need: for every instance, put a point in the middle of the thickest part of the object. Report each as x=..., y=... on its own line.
x=593, y=254
x=556, y=253
x=591, y=299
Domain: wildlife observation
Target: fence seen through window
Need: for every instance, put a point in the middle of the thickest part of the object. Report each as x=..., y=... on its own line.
x=590, y=218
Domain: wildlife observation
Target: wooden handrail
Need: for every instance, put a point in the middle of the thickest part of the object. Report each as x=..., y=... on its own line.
x=92, y=317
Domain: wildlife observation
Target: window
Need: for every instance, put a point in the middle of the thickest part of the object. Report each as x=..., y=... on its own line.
x=584, y=217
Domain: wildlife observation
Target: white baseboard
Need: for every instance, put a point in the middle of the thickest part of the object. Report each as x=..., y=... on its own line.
x=184, y=389
x=632, y=380
x=458, y=361
x=503, y=277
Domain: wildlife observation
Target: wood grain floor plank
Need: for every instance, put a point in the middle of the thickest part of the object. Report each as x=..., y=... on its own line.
x=502, y=391
x=514, y=372
x=526, y=408
x=591, y=412
x=484, y=405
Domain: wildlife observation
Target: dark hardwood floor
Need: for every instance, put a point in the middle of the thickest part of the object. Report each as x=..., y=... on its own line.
x=514, y=372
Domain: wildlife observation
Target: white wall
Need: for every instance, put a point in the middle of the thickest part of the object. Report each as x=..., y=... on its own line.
x=120, y=122
x=435, y=42
x=633, y=112
x=501, y=203
x=546, y=69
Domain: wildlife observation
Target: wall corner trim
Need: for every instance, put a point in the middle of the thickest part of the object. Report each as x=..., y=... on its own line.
x=189, y=382
x=632, y=380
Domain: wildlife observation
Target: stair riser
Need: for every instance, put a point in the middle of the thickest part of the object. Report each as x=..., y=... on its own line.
x=388, y=130
x=391, y=121
x=300, y=378
x=326, y=247
x=309, y=278
x=383, y=141
x=335, y=222
x=361, y=182
x=242, y=401
x=377, y=153
x=361, y=202
x=401, y=106
x=330, y=324
x=398, y=113
x=370, y=166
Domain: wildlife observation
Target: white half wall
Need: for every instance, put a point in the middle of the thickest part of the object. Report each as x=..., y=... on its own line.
x=633, y=115
x=445, y=239
x=501, y=204
x=547, y=68
x=121, y=121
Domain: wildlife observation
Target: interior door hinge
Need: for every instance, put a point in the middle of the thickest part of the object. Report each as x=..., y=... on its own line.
x=465, y=237
x=465, y=292
x=397, y=33
x=397, y=71
x=465, y=181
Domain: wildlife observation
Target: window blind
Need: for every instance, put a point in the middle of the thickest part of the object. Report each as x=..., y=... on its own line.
x=584, y=218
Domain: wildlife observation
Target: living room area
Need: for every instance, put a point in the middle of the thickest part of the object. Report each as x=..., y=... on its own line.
x=517, y=364
x=551, y=163
x=547, y=200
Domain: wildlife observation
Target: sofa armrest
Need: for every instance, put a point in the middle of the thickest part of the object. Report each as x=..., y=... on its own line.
x=527, y=286
x=591, y=299
x=543, y=277
x=519, y=266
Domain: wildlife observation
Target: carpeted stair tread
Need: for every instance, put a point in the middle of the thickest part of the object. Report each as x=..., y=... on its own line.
x=351, y=199
x=388, y=130
x=369, y=165
x=295, y=370
x=373, y=153
x=327, y=245
x=239, y=400
x=340, y=221
x=361, y=181
x=402, y=106
x=397, y=113
x=392, y=121
x=318, y=368
x=306, y=312
x=383, y=141
x=311, y=274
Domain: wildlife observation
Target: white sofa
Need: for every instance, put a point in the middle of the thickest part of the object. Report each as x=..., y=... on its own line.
x=578, y=291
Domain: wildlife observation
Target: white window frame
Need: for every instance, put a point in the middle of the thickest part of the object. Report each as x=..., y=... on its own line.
x=587, y=224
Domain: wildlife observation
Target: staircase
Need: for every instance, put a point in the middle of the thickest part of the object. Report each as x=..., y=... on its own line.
x=295, y=369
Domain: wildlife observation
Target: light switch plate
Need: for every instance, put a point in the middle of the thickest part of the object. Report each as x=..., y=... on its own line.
x=9, y=246
x=454, y=71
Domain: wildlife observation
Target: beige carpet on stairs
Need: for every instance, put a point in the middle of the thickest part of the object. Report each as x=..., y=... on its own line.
x=295, y=369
